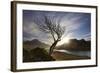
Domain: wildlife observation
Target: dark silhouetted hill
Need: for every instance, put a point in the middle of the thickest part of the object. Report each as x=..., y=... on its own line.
x=81, y=45
x=33, y=44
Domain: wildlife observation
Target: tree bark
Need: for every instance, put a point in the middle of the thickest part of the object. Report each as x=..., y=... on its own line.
x=53, y=46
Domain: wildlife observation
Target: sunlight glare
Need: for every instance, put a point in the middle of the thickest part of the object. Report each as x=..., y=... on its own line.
x=64, y=40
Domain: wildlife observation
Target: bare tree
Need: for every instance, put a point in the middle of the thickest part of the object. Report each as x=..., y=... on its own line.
x=52, y=25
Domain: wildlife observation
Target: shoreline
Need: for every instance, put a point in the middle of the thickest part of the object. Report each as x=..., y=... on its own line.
x=58, y=56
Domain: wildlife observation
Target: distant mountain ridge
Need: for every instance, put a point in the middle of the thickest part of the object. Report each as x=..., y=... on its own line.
x=76, y=45
x=34, y=44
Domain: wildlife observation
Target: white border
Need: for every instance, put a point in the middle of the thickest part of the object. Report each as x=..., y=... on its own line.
x=21, y=65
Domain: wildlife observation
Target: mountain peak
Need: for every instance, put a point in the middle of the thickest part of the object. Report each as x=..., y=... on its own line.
x=34, y=43
x=35, y=40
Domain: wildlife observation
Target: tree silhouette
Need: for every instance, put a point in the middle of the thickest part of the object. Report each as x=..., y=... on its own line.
x=52, y=26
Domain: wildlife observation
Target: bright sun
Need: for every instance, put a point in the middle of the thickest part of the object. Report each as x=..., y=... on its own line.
x=64, y=40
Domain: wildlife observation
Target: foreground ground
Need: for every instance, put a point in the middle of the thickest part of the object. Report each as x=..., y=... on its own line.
x=63, y=56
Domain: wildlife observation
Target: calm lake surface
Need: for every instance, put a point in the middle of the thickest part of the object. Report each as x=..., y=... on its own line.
x=78, y=53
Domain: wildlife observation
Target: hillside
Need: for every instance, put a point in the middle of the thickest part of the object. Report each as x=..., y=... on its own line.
x=36, y=55
x=28, y=45
x=77, y=45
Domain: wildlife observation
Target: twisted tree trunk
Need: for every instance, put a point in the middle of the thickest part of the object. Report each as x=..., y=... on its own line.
x=53, y=46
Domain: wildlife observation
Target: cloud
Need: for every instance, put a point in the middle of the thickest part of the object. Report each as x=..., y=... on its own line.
x=31, y=31
x=71, y=21
x=87, y=36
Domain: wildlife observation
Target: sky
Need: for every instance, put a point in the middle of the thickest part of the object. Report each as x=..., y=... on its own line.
x=77, y=25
